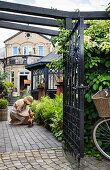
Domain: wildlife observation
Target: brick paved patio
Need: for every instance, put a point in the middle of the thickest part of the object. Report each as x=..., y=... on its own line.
x=20, y=138
x=36, y=148
x=42, y=159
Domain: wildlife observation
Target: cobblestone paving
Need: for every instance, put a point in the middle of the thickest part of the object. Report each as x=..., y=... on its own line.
x=26, y=148
x=41, y=159
x=47, y=159
x=88, y=163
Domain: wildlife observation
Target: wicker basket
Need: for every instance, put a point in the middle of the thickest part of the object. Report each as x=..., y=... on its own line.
x=102, y=103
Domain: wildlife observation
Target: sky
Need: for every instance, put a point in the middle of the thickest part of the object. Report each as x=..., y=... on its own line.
x=65, y=5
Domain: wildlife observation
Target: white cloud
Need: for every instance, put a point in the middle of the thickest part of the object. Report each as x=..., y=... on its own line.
x=99, y=4
x=5, y=34
x=59, y=4
x=71, y=5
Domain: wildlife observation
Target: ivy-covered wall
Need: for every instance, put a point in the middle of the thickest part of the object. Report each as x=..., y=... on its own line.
x=97, y=70
x=97, y=73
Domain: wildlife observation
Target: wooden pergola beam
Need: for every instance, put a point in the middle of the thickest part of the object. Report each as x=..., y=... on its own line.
x=45, y=12
x=27, y=28
x=95, y=15
x=32, y=10
x=28, y=19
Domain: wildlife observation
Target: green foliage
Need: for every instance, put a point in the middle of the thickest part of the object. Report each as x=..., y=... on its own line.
x=57, y=119
x=3, y=75
x=3, y=104
x=49, y=112
x=97, y=70
x=3, y=85
x=108, y=8
x=9, y=84
x=36, y=108
x=56, y=64
x=97, y=74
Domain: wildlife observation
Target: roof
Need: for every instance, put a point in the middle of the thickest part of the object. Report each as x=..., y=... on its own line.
x=44, y=60
x=20, y=33
x=51, y=56
x=13, y=36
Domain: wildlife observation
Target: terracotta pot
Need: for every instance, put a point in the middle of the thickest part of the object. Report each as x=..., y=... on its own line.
x=4, y=114
x=41, y=92
x=59, y=87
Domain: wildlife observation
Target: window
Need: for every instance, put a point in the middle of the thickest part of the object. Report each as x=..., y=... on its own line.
x=15, y=50
x=12, y=77
x=40, y=50
x=52, y=76
x=27, y=50
x=38, y=78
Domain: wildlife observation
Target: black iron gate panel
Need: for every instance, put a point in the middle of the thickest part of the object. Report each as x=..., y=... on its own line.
x=73, y=118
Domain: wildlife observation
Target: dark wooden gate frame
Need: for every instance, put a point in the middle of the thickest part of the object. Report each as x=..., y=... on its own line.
x=18, y=17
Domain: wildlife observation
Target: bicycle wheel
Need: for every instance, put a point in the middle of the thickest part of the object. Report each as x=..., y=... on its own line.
x=101, y=136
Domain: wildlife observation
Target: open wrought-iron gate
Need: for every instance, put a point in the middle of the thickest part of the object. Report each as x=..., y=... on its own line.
x=73, y=117
x=13, y=13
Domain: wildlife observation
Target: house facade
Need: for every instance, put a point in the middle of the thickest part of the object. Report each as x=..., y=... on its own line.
x=23, y=49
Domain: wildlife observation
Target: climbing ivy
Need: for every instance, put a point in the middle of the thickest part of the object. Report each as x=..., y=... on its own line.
x=97, y=74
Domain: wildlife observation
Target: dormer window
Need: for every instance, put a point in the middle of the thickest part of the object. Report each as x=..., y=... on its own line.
x=15, y=49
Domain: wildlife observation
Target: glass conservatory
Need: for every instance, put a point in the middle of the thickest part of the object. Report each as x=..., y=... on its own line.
x=43, y=79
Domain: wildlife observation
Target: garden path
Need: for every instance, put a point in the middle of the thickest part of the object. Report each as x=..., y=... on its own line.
x=36, y=148
x=20, y=138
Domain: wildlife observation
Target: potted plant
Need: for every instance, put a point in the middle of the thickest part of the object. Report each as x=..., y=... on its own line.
x=60, y=77
x=3, y=76
x=41, y=85
x=3, y=110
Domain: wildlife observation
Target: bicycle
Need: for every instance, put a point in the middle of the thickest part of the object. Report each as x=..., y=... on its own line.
x=101, y=129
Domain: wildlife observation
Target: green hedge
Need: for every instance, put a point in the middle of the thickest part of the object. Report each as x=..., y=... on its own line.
x=49, y=112
x=3, y=104
x=97, y=74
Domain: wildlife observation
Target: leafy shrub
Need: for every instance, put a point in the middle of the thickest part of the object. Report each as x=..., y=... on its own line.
x=97, y=63
x=3, y=104
x=57, y=120
x=9, y=84
x=49, y=112
x=36, y=108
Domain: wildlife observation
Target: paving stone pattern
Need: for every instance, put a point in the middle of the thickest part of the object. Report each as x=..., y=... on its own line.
x=41, y=159
x=26, y=148
x=21, y=137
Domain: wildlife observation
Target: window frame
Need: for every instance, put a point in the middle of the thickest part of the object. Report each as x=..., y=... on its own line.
x=13, y=50
x=27, y=49
x=39, y=50
x=12, y=77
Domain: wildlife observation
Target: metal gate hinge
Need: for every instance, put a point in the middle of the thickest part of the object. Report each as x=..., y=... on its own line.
x=83, y=87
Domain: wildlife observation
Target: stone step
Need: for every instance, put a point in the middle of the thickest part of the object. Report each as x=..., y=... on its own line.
x=12, y=101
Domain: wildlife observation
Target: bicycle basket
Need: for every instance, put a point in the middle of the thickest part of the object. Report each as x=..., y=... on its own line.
x=102, y=103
